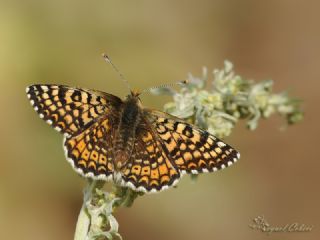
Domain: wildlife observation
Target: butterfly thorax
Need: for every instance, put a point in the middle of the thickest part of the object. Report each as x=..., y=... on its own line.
x=124, y=140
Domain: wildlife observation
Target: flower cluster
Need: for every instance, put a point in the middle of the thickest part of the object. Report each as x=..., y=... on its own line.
x=218, y=102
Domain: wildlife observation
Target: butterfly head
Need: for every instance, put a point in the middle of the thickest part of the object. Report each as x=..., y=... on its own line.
x=135, y=93
x=134, y=97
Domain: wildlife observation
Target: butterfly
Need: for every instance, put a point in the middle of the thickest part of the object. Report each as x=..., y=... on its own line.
x=108, y=138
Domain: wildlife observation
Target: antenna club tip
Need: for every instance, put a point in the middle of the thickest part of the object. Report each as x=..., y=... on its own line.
x=184, y=82
x=105, y=56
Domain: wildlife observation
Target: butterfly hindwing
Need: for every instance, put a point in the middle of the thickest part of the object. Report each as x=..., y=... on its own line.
x=70, y=110
x=149, y=168
x=90, y=152
x=191, y=149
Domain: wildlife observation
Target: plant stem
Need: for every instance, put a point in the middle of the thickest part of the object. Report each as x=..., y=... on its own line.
x=83, y=224
x=84, y=218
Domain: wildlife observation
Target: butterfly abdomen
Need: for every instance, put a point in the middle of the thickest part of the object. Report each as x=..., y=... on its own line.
x=124, y=141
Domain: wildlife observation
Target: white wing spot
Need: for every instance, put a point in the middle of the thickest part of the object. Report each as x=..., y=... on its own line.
x=44, y=88
x=130, y=185
x=193, y=171
x=153, y=190
x=89, y=174
x=221, y=144
x=80, y=171
x=66, y=135
x=141, y=189
x=164, y=187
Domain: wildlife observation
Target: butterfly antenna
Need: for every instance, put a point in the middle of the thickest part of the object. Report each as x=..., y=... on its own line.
x=170, y=85
x=108, y=60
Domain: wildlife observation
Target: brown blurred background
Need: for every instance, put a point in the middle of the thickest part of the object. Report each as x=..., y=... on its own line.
x=156, y=42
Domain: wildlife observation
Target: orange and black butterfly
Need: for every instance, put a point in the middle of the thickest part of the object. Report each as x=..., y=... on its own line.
x=112, y=139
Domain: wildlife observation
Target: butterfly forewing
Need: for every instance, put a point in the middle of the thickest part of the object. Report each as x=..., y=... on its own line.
x=70, y=110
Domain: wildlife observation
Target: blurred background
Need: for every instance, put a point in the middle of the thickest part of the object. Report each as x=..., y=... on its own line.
x=157, y=42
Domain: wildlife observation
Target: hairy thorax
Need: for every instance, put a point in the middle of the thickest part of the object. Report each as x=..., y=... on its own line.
x=125, y=137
